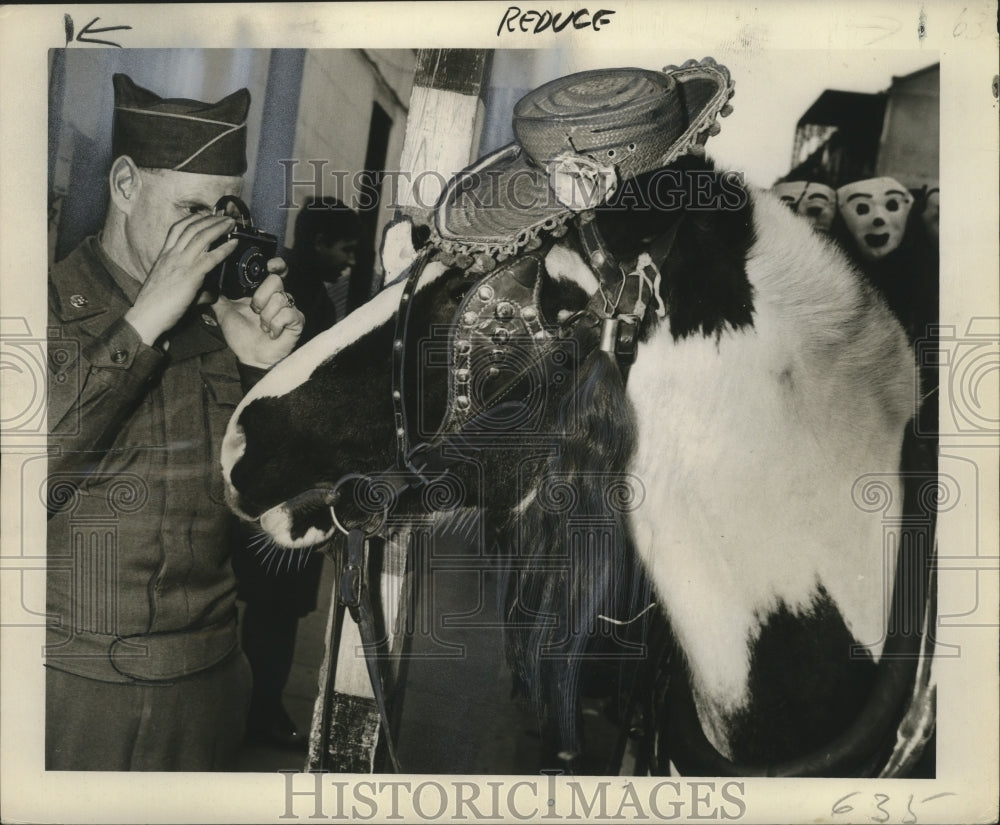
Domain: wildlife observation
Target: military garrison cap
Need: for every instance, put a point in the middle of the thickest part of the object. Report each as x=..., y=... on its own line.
x=180, y=134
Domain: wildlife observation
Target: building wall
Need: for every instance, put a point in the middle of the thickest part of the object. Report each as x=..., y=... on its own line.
x=334, y=116
x=910, y=144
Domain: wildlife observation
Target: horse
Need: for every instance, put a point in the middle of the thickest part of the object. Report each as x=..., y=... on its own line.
x=743, y=467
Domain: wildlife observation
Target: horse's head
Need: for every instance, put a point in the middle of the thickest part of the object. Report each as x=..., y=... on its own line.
x=326, y=415
x=328, y=410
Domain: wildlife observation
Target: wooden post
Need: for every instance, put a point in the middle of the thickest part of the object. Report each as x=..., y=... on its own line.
x=442, y=138
x=445, y=121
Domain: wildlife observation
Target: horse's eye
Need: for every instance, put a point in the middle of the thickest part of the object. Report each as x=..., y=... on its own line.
x=862, y=209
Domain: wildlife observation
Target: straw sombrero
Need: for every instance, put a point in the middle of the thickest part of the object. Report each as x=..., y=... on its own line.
x=577, y=137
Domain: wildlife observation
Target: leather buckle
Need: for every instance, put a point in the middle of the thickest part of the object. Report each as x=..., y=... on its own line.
x=351, y=578
x=626, y=344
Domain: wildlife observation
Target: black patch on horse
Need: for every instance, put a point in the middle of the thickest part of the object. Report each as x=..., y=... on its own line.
x=704, y=282
x=322, y=421
x=800, y=703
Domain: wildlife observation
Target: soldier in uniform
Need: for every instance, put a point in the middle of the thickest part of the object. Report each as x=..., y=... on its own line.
x=144, y=669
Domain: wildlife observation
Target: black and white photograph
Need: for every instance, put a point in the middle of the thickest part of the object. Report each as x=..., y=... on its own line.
x=482, y=412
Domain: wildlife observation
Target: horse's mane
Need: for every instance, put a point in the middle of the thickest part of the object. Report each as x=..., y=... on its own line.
x=558, y=619
x=551, y=616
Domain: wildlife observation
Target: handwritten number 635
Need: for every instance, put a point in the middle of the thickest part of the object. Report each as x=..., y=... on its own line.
x=883, y=806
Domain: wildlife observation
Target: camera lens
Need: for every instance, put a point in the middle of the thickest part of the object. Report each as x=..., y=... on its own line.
x=252, y=268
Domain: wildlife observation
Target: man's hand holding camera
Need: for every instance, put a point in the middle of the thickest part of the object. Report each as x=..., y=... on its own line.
x=178, y=273
x=263, y=328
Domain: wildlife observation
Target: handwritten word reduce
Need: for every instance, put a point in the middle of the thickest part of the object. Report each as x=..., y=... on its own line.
x=536, y=22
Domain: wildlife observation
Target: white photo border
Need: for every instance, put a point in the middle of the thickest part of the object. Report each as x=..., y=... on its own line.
x=962, y=35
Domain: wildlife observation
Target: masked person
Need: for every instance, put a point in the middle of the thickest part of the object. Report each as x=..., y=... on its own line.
x=878, y=228
x=144, y=670
x=816, y=202
x=882, y=229
x=875, y=212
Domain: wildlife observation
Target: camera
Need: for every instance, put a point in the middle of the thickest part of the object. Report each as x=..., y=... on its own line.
x=244, y=270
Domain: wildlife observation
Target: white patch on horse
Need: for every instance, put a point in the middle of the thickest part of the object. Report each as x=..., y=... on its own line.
x=564, y=264
x=397, y=252
x=749, y=448
x=278, y=523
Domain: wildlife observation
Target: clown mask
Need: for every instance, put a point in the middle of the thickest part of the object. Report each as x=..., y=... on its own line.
x=815, y=202
x=875, y=211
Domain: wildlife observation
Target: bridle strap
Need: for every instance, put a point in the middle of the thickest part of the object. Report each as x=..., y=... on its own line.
x=624, y=293
x=405, y=462
x=355, y=595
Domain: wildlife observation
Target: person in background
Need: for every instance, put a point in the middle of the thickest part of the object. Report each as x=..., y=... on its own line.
x=325, y=245
x=814, y=201
x=144, y=669
x=880, y=227
x=280, y=591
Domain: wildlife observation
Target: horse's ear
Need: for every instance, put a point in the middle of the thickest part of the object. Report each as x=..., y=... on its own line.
x=400, y=242
x=420, y=234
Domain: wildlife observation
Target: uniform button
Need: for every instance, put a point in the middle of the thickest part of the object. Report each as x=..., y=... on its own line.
x=78, y=300
x=119, y=356
x=505, y=309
